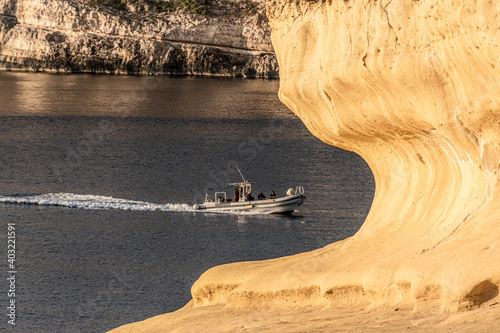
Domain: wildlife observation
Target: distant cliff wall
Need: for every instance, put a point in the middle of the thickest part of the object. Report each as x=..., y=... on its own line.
x=71, y=36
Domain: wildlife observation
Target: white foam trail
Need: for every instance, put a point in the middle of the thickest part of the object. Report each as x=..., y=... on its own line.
x=92, y=202
x=87, y=201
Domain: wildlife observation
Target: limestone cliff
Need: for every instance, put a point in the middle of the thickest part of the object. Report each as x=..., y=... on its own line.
x=414, y=88
x=73, y=36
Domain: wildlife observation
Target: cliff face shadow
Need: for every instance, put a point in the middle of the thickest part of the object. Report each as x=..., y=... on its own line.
x=481, y=293
x=8, y=7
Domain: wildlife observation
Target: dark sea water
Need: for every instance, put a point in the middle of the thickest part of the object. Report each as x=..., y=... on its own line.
x=99, y=173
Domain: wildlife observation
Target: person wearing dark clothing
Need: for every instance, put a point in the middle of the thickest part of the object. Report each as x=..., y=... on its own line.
x=272, y=195
x=236, y=195
x=261, y=196
x=250, y=197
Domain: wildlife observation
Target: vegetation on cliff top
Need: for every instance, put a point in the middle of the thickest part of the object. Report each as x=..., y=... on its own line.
x=201, y=7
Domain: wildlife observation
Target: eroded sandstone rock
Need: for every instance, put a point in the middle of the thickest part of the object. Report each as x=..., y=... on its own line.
x=414, y=88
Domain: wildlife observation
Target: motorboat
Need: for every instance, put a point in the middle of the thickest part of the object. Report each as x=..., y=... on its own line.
x=244, y=202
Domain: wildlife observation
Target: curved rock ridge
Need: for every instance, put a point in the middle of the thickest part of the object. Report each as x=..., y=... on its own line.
x=414, y=88
x=70, y=36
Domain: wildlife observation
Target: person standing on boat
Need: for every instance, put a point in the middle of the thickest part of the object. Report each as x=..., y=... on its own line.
x=236, y=195
x=261, y=196
x=272, y=195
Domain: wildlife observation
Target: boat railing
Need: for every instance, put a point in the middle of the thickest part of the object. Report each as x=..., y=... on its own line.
x=219, y=199
x=299, y=190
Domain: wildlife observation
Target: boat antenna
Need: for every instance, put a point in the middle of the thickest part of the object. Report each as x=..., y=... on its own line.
x=241, y=174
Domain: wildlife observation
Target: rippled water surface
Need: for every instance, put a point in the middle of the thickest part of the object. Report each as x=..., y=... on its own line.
x=99, y=174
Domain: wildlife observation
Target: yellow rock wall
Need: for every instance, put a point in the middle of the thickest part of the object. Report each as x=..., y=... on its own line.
x=414, y=88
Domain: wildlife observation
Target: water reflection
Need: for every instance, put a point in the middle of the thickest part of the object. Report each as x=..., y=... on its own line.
x=136, y=96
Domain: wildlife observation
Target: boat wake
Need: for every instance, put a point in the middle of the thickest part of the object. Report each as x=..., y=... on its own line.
x=91, y=202
x=87, y=201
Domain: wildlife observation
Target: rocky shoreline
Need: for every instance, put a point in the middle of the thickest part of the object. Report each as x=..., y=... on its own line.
x=75, y=37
